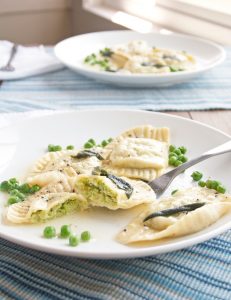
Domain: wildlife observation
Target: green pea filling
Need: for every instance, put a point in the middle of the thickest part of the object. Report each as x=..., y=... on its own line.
x=59, y=210
x=97, y=192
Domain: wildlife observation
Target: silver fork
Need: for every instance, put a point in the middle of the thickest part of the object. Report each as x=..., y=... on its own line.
x=160, y=184
x=8, y=67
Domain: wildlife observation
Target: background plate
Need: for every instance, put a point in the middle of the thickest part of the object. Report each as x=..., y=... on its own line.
x=72, y=52
x=24, y=142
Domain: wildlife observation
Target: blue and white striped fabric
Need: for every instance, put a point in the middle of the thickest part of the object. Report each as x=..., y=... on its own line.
x=66, y=90
x=200, y=272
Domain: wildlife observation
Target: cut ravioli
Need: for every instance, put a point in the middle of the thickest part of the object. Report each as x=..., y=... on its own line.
x=185, y=212
x=140, y=153
x=61, y=167
x=43, y=207
x=114, y=192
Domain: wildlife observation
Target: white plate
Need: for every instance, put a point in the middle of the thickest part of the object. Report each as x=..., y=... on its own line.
x=72, y=52
x=25, y=142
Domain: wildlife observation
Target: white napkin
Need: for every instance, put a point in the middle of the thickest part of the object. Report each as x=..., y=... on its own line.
x=28, y=61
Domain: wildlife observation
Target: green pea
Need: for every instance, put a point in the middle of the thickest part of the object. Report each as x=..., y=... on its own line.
x=171, y=154
x=70, y=147
x=182, y=158
x=172, y=148
x=85, y=236
x=14, y=192
x=17, y=194
x=49, y=232
x=221, y=189
x=214, y=184
x=13, y=184
x=92, y=141
x=172, y=160
x=50, y=148
x=177, y=163
x=182, y=149
x=173, y=192
x=58, y=148
x=24, y=188
x=13, y=200
x=173, y=69
x=5, y=186
x=54, y=148
x=177, y=151
x=196, y=176
x=35, y=188
x=202, y=183
x=88, y=145
x=13, y=181
x=104, y=143
x=65, y=231
x=73, y=240
x=209, y=183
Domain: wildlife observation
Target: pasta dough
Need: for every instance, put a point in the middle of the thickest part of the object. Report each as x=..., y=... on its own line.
x=214, y=206
x=141, y=153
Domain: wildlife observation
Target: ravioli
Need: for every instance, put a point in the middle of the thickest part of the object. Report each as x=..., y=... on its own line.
x=56, y=174
x=113, y=192
x=65, y=178
x=161, y=134
x=61, y=160
x=52, y=161
x=141, y=153
x=61, y=167
x=159, y=221
x=42, y=207
x=138, y=57
x=86, y=165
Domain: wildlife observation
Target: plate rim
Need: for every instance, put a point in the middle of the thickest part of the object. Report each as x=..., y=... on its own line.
x=130, y=252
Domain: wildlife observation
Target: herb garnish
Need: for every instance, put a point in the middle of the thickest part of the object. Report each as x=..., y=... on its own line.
x=107, y=52
x=88, y=153
x=119, y=182
x=175, y=210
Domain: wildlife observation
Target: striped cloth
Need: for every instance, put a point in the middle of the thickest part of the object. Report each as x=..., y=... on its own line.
x=200, y=272
x=66, y=90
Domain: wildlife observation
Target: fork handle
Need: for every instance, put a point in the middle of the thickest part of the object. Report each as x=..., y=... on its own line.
x=224, y=148
x=12, y=54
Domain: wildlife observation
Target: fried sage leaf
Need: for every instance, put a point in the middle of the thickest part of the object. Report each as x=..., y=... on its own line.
x=119, y=182
x=175, y=210
x=88, y=153
x=106, y=52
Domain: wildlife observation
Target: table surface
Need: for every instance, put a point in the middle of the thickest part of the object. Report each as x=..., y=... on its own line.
x=219, y=119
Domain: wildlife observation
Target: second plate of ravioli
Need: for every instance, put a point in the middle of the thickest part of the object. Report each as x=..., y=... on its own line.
x=20, y=149
x=206, y=53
